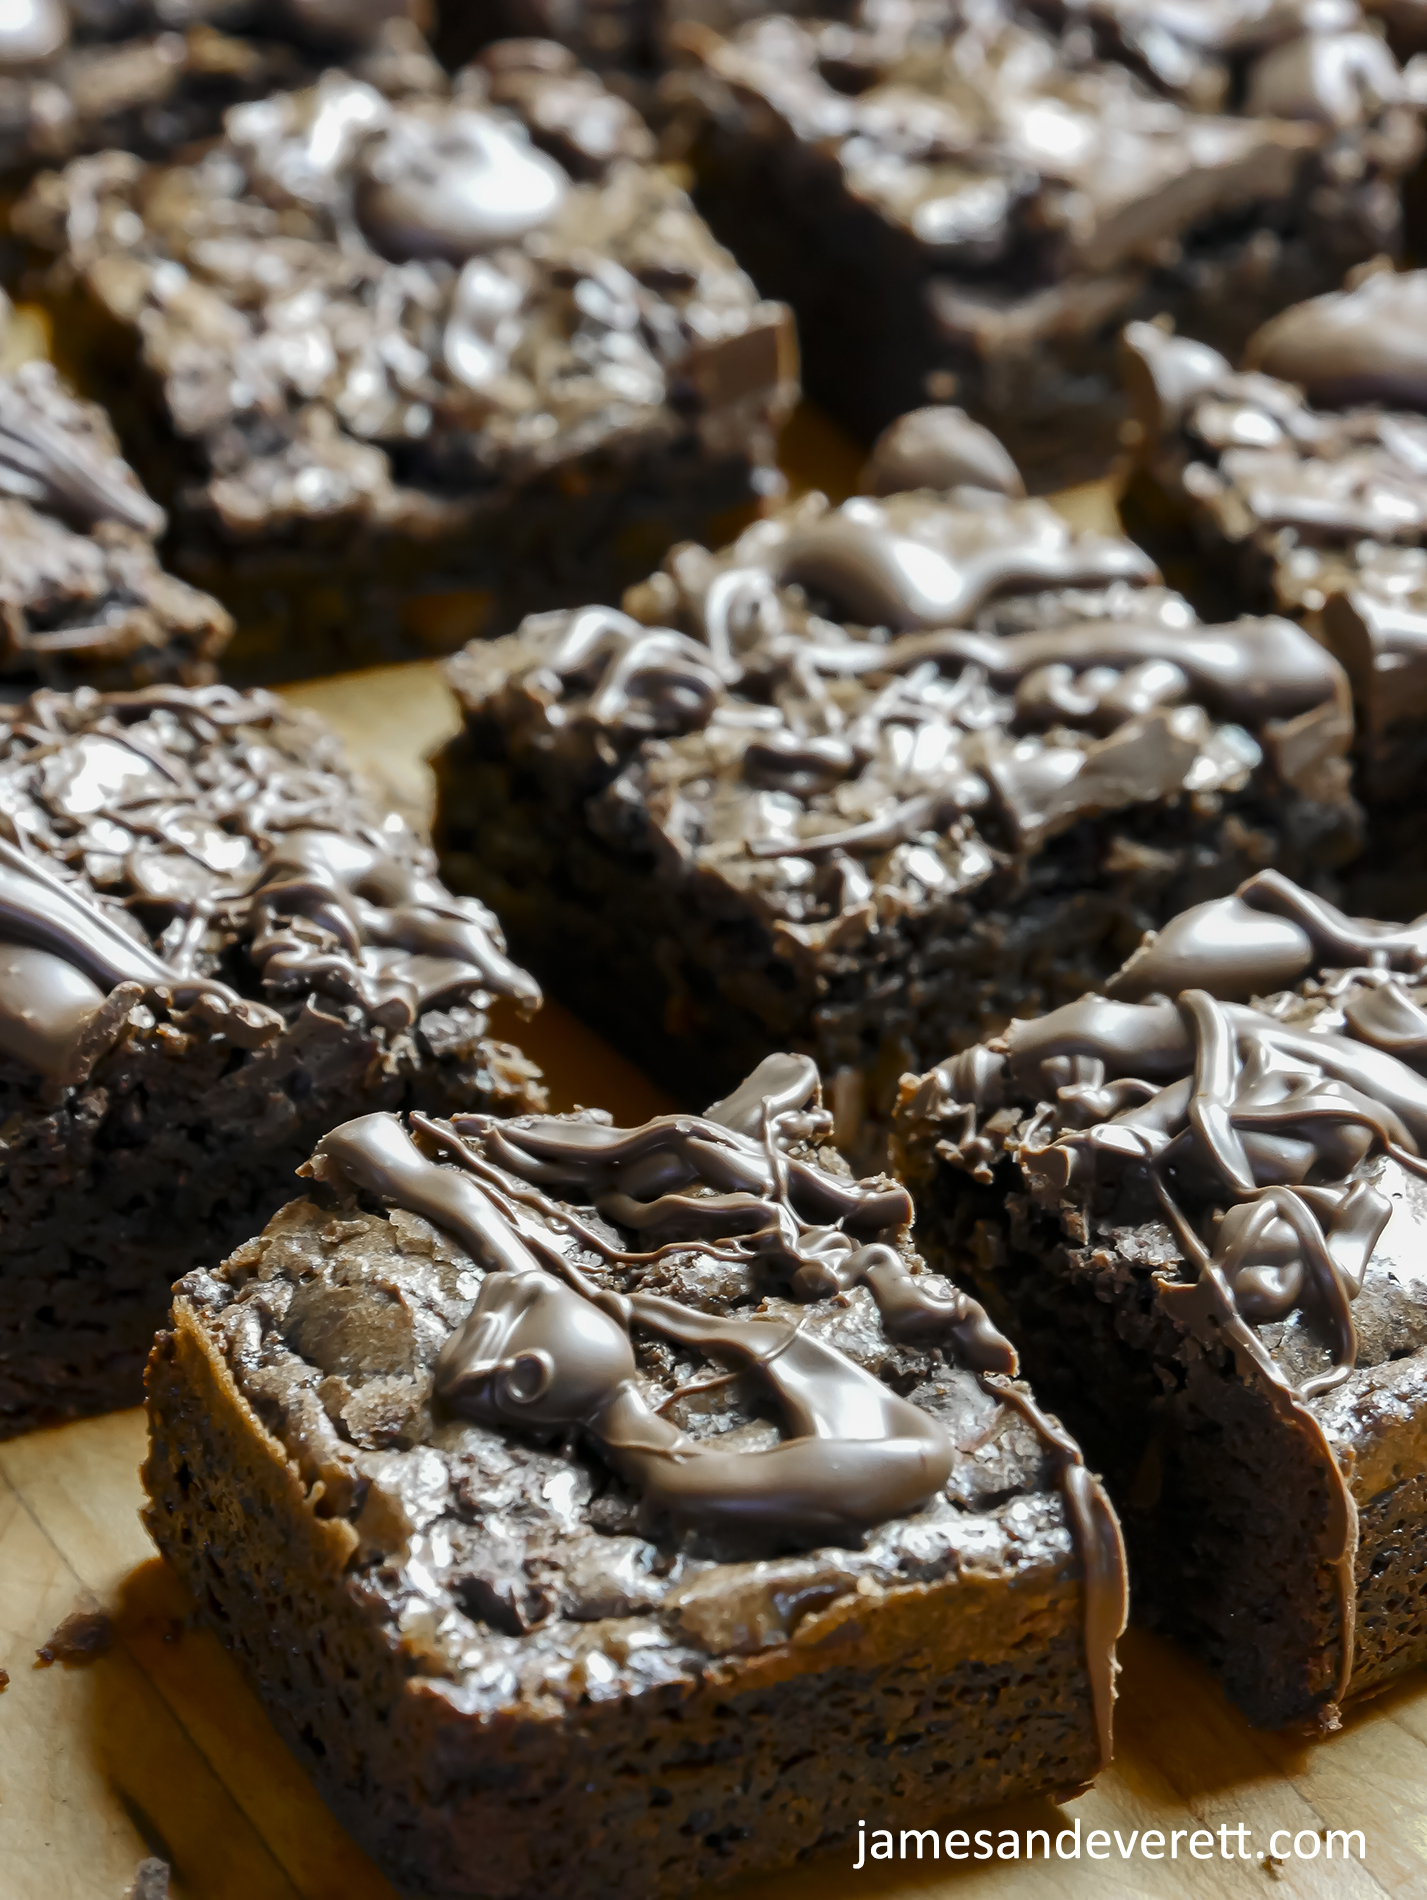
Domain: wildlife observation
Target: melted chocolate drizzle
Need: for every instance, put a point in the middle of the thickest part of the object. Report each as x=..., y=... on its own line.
x=545, y=1348
x=923, y=720
x=1259, y=1138
x=188, y=806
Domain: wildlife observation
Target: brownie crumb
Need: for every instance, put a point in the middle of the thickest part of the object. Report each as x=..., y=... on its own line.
x=4, y=1680
x=79, y=1639
x=150, y=1881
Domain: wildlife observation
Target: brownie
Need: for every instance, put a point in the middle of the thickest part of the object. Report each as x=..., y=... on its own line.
x=778, y=803
x=1299, y=485
x=150, y=76
x=1197, y=1206
x=605, y=1510
x=83, y=598
x=403, y=371
x=970, y=202
x=212, y=948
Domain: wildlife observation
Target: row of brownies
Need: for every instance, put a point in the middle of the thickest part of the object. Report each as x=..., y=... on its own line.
x=600, y=1507
x=565, y=1487
x=405, y=355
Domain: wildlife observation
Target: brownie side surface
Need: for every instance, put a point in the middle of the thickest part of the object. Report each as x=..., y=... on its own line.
x=1266, y=1468
x=491, y=359
x=213, y=945
x=509, y=1660
x=774, y=812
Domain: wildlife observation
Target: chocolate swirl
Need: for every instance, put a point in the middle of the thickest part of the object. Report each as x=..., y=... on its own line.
x=215, y=818
x=1263, y=938
x=1262, y=1134
x=544, y=1348
x=1366, y=345
x=549, y=1345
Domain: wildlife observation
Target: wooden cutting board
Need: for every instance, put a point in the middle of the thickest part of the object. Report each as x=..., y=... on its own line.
x=159, y=1747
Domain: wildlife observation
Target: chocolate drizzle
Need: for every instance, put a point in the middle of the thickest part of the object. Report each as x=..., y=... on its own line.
x=1263, y=938
x=885, y=737
x=187, y=810
x=544, y=1205
x=1260, y=1134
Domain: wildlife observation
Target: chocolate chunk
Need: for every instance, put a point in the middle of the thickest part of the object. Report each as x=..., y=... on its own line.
x=80, y=1638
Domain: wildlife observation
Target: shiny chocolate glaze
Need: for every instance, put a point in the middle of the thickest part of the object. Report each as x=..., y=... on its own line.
x=549, y=1206
x=1305, y=476
x=1266, y=1135
x=943, y=448
x=760, y=722
x=199, y=849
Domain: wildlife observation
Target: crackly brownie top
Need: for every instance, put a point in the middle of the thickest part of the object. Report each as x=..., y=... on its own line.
x=801, y=716
x=208, y=856
x=604, y=1405
x=79, y=580
x=356, y=307
x=988, y=138
x=1259, y=1149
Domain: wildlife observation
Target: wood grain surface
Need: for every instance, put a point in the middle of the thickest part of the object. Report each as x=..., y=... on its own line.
x=159, y=1747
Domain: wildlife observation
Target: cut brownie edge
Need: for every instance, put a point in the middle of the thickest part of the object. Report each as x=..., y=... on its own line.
x=562, y=1612
x=233, y=1517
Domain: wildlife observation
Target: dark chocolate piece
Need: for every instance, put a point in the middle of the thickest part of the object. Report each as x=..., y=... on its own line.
x=402, y=370
x=1236, y=1188
x=83, y=599
x=968, y=203
x=939, y=448
x=80, y=1638
x=212, y=946
x=594, y=1420
x=783, y=803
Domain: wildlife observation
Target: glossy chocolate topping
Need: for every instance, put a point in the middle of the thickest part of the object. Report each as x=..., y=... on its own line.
x=1322, y=508
x=291, y=295
x=453, y=185
x=1366, y=345
x=573, y=1222
x=940, y=448
x=31, y=32
x=1265, y=1136
x=229, y=828
x=1263, y=938
x=52, y=457
x=546, y=1349
x=762, y=732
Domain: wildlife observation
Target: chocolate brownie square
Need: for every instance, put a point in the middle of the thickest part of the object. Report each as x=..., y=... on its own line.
x=1197, y=1205
x=150, y=76
x=971, y=202
x=403, y=370
x=83, y=598
x=1299, y=485
x=605, y=1510
x=874, y=779
x=212, y=948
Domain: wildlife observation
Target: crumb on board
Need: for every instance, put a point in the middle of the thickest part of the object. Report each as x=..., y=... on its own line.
x=151, y=1881
x=81, y=1637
